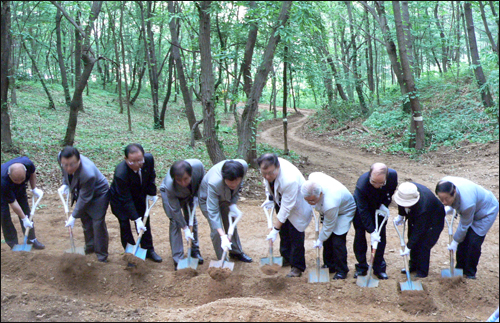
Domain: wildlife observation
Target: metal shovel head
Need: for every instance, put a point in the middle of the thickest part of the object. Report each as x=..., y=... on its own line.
x=267, y=261
x=411, y=285
x=222, y=264
x=324, y=276
x=187, y=262
x=22, y=247
x=367, y=281
x=139, y=253
x=77, y=250
x=446, y=273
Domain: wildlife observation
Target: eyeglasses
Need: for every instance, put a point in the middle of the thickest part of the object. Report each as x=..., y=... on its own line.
x=140, y=162
x=377, y=183
x=70, y=165
x=269, y=173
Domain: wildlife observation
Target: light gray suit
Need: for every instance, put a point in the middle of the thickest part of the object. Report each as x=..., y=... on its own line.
x=215, y=198
x=175, y=198
x=89, y=188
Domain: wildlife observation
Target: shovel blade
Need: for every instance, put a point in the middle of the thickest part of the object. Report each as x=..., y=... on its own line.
x=77, y=250
x=446, y=273
x=187, y=262
x=222, y=264
x=139, y=253
x=324, y=276
x=367, y=281
x=411, y=285
x=22, y=247
x=267, y=261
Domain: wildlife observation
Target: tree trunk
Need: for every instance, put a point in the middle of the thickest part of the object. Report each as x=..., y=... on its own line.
x=369, y=54
x=247, y=132
x=4, y=77
x=357, y=81
x=169, y=88
x=188, y=101
x=62, y=67
x=78, y=55
x=444, y=48
x=285, y=94
x=207, y=85
x=466, y=38
x=330, y=62
x=149, y=48
x=409, y=51
x=49, y=97
x=408, y=79
x=478, y=70
x=247, y=58
x=127, y=93
x=117, y=58
x=88, y=61
x=486, y=28
x=139, y=85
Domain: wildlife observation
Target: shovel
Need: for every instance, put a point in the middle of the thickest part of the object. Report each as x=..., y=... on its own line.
x=135, y=250
x=270, y=260
x=368, y=280
x=223, y=263
x=25, y=246
x=408, y=285
x=72, y=248
x=189, y=262
x=452, y=271
x=320, y=275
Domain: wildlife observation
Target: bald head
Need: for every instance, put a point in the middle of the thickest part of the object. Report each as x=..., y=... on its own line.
x=378, y=169
x=17, y=173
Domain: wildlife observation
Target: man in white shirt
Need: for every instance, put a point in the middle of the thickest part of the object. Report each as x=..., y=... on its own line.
x=283, y=181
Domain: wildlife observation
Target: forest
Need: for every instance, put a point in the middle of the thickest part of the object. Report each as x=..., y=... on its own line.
x=332, y=86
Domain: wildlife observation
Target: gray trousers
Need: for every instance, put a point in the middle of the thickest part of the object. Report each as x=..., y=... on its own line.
x=236, y=248
x=95, y=230
x=176, y=232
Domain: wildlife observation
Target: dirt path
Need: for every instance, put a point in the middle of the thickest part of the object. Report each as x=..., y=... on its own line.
x=49, y=285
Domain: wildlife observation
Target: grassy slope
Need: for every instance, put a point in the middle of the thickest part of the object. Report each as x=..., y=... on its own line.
x=102, y=133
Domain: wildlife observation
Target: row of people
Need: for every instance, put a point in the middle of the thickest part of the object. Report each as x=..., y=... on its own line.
x=186, y=186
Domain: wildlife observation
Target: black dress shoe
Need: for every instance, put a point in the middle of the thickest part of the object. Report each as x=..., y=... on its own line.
x=241, y=257
x=340, y=275
x=382, y=276
x=196, y=254
x=151, y=254
x=175, y=265
x=360, y=273
x=420, y=275
x=36, y=244
x=330, y=270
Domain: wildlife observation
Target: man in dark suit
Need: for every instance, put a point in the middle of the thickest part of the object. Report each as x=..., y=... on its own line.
x=179, y=190
x=425, y=214
x=89, y=188
x=133, y=182
x=373, y=192
x=16, y=173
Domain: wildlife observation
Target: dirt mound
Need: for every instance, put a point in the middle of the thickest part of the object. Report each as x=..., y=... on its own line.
x=417, y=301
x=270, y=269
x=451, y=283
x=75, y=265
x=219, y=274
x=186, y=273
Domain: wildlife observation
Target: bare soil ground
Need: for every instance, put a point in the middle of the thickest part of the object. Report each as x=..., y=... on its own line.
x=50, y=285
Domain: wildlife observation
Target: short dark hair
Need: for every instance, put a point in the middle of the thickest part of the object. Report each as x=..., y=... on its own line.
x=445, y=187
x=179, y=168
x=268, y=159
x=133, y=148
x=70, y=151
x=232, y=170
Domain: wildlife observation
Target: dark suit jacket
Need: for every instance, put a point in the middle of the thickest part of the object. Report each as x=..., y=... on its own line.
x=427, y=213
x=368, y=198
x=87, y=187
x=128, y=195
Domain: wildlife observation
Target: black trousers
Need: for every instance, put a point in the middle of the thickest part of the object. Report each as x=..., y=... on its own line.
x=127, y=236
x=469, y=252
x=292, y=246
x=420, y=254
x=361, y=247
x=8, y=229
x=335, y=253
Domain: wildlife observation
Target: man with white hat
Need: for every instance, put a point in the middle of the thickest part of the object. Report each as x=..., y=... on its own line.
x=425, y=214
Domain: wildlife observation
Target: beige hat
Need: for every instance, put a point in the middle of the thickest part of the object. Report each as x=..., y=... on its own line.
x=407, y=195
